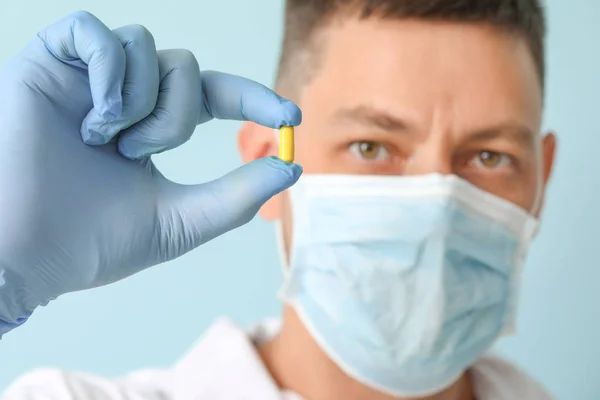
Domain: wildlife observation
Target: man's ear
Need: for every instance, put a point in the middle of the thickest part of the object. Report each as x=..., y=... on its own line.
x=549, y=151
x=548, y=155
x=254, y=142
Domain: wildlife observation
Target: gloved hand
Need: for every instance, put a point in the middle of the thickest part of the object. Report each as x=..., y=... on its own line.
x=76, y=214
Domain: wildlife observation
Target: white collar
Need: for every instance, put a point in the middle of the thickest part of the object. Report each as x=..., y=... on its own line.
x=224, y=365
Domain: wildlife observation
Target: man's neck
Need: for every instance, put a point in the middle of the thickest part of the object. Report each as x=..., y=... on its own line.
x=297, y=364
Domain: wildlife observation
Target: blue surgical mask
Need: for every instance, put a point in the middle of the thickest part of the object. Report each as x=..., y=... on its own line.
x=404, y=281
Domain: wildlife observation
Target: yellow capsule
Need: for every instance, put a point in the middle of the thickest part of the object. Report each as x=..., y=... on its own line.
x=286, y=143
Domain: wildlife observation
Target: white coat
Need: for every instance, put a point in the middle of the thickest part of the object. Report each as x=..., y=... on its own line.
x=224, y=365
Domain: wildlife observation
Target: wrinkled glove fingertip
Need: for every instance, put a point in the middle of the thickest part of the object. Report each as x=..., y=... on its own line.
x=90, y=137
x=291, y=114
x=293, y=171
x=112, y=110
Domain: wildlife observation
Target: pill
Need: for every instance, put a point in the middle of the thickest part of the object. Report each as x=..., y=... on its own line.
x=286, y=143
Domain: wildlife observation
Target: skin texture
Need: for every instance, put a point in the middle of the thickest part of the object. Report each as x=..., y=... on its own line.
x=406, y=97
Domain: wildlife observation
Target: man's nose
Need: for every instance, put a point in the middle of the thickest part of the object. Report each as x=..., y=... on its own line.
x=431, y=156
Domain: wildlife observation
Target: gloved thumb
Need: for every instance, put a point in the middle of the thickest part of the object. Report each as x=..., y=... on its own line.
x=192, y=215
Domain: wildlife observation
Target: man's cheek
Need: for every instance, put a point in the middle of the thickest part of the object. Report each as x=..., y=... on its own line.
x=315, y=156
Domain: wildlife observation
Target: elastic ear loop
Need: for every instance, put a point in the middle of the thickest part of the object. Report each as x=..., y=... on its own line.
x=529, y=232
x=531, y=227
x=279, y=236
x=539, y=194
x=283, y=257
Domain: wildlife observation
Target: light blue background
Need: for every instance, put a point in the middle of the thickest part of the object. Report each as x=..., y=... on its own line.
x=152, y=318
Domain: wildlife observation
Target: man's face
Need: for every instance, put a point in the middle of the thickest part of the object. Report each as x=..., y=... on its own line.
x=412, y=97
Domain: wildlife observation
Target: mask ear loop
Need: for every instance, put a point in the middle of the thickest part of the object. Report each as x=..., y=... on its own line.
x=529, y=232
x=539, y=193
x=279, y=236
x=531, y=226
x=284, y=260
x=284, y=263
x=283, y=257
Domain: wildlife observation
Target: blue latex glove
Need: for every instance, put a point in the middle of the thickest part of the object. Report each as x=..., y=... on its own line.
x=75, y=216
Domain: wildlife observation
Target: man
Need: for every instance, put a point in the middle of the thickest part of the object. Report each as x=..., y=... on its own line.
x=396, y=284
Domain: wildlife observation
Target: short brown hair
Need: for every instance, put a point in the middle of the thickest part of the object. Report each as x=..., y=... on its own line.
x=303, y=18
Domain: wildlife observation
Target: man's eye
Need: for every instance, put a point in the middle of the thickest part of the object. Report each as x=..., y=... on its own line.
x=491, y=160
x=371, y=151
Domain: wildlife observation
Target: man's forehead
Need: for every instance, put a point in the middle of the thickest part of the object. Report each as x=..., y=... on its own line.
x=419, y=65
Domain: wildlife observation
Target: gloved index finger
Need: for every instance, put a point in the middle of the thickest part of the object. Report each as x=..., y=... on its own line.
x=232, y=97
x=81, y=37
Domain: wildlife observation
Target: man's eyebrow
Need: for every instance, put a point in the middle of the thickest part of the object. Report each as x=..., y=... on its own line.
x=515, y=132
x=377, y=118
x=370, y=117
